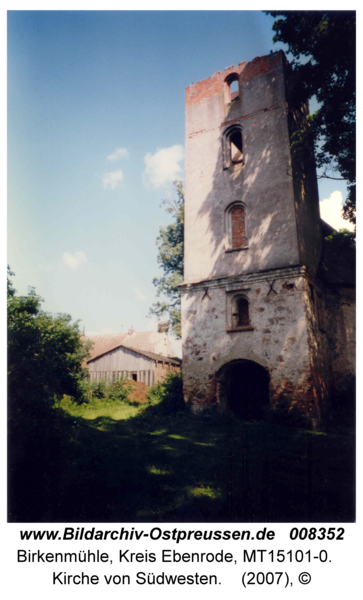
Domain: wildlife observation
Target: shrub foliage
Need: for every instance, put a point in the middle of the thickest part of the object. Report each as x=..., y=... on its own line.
x=168, y=394
x=45, y=353
x=115, y=391
x=322, y=45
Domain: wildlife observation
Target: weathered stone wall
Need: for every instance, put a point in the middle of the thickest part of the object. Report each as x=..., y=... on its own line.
x=278, y=338
x=341, y=336
x=303, y=174
x=316, y=319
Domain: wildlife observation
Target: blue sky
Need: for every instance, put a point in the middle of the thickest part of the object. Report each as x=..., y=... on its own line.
x=95, y=139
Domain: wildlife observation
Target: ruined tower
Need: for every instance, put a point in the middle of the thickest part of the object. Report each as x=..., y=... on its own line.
x=251, y=319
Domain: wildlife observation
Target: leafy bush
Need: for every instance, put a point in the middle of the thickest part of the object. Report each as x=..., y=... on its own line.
x=45, y=353
x=116, y=391
x=119, y=391
x=168, y=394
x=97, y=389
x=342, y=239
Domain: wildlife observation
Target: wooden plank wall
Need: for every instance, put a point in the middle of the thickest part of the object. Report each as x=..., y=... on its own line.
x=147, y=376
x=121, y=359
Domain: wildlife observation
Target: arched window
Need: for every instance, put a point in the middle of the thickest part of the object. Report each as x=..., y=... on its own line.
x=232, y=88
x=235, y=227
x=232, y=146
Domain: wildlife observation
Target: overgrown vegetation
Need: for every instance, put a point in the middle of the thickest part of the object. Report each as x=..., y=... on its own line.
x=101, y=398
x=108, y=459
x=322, y=45
x=100, y=408
x=45, y=354
x=342, y=239
x=168, y=394
x=161, y=466
x=111, y=391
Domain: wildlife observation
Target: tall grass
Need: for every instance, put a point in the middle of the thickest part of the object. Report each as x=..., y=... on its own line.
x=167, y=465
x=102, y=398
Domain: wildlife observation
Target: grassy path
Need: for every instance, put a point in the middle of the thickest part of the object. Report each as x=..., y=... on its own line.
x=165, y=468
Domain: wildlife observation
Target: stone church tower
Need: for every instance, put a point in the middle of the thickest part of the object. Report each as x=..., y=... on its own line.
x=253, y=305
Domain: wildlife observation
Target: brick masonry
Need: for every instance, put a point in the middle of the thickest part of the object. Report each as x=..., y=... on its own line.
x=238, y=227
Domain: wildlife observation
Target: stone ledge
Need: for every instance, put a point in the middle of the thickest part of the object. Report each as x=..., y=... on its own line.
x=238, y=249
x=290, y=272
x=232, y=329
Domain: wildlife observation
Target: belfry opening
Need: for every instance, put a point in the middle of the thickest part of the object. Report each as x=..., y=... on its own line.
x=244, y=389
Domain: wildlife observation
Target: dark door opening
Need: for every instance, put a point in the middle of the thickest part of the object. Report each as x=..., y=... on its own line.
x=248, y=392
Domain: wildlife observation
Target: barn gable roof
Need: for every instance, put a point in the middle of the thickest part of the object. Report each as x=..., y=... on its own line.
x=142, y=342
x=156, y=357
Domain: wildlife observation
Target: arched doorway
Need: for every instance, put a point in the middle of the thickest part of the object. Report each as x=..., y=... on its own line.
x=245, y=388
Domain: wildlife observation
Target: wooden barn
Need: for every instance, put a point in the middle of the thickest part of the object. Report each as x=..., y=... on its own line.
x=141, y=356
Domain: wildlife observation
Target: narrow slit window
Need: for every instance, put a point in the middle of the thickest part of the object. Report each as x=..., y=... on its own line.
x=243, y=313
x=238, y=228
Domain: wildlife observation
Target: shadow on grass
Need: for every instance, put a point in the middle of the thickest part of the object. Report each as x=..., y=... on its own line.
x=180, y=468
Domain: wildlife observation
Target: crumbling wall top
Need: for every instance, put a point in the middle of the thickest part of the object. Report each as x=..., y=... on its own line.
x=262, y=65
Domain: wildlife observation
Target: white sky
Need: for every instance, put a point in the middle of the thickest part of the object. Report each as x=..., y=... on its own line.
x=331, y=211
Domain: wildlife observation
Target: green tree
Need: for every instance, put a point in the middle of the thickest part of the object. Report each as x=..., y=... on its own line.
x=322, y=44
x=170, y=242
x=45, y=353
x=342, y=239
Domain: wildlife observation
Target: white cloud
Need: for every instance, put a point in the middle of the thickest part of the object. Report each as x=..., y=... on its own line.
x=74, y=260
x=119, y=153
x=139, y=295
x=163, y=166
x=112, y=180
x=331, y=212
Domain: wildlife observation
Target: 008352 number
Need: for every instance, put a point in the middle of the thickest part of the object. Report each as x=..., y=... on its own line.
x=314, y=533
